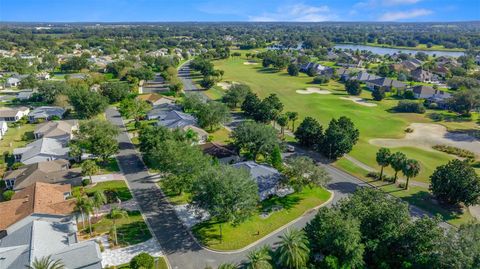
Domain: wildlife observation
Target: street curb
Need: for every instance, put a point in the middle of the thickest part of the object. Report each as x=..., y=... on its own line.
x=283, y=227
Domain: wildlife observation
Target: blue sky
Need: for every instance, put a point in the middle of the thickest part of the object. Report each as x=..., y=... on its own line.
x=239, y=10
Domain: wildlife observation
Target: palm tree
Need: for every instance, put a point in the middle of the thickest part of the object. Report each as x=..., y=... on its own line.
x=397, y=161
x=46, y=263
x=227, y=266
x=89, y=168
x=80, y=205
x=383, y=159
x=116, y=214
x=88, y=209
x=292, y=116
x=259, y=258
x=99, y=199
x=293, y=251
x=410, y=169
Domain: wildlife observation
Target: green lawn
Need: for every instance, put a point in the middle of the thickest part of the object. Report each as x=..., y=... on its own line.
x=131, y=230
x=15, y=137
x=256, y=227
x=215, y=93
x=418, y=196
x=221, y=135
x=160, y=264
x=111, y=166
x=112, y=189
x=173, y=197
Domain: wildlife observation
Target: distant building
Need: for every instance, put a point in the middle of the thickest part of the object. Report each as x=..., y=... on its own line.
x=319, y=69
x=156, y=99
x=13, y=114
x=160, y=111
x=386, y=84
x=44, y=113
x=422, y=75
x=427, y=92
x=62, y=130
x=12, y=82
x=223, y=153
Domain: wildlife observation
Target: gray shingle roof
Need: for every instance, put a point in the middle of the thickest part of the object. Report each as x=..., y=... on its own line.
x=176, y=119
x=46, y=112
x=267, y=178
x=44, y=149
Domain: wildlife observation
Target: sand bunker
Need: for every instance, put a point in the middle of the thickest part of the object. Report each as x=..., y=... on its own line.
x=250, y=63
x=427, y=135
x=226, y=85
x=311, y=90
x=358, y=100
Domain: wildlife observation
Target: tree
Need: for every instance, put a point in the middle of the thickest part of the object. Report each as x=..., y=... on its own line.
x=89, y=168
x=176, y=86
x=212, y=114
x=227, y=193
x=383, y=159
x=255, y=138
x=98, y=137
x=276, y=158
x=46, y=263
x=465, y=101
x=83, y=205
x=333, y=234
x=269, y=109
x=207, y=82
x=251, y=104
x=236, y=95
x=115, y=91
x=192, y=102
x=75, y=63
x=303, y=171
x=293, y=70
x=259, y=258
x=309, y=133
x=29, y=82
x=142, y=261
x=87, y=103
x=116, y=214
x=293, y=251
x=7, y=195
x=340, y=137
x=49, y=90
x=352, y=86
x=410, y=169
x=134, y=108
x=397, y=161
x=378, y=94
x=292, y=116
x=98, y=199
x=456, y=182
x=227, y=266
x=321, y=79
x=282, y=120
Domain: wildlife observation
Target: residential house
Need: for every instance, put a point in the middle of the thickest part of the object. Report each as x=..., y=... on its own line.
x=43, y=76
x=343, y=73
x=156, y=99
x=41, y=150
x=44, y=113
x=427, y=92
x=364, y=76
x=319, y=69
x=3, y=128
x=62, y=130
x=222, y=153
x=53, y=172
x=12, y=82
x=179, y=120
x=422, y=75
x=477, y=59
x=25, y=94
x=13, y=114
x=332, y=56
x=442, y=71
x=385, y=83
x=36, y=223
x=267, y=178
x=161, y=111
x=445, y=60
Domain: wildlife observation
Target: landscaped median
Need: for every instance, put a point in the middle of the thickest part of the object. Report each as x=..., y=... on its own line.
x=272, y=214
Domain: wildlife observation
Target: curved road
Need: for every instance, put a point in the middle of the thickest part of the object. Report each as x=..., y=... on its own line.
x=181, y=249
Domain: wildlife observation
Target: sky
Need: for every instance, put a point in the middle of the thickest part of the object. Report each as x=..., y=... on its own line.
x=238, y=10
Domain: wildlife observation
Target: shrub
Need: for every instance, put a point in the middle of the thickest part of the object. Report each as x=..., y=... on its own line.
x=15, y=166
x=408, y=95
x=409, y=130
x=86, y=182
x=437, y=117
x=410, y=107
x=3, y=185
x=455, y=151
x=321, y=79
x=433, y=106
x=7, y=195
x=142, y=260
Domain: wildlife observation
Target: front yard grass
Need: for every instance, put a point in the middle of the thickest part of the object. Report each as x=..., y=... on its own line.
x=417, y=196
x=110, y=166
x=256, y=227
x=160, y=264
x=117, y=188
x=221, y=135
x=173, y=197
x=15, y=137
x=130, y=230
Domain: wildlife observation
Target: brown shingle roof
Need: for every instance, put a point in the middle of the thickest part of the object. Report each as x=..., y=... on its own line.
x=56, y=128
x=40, y=198
x=217, y=150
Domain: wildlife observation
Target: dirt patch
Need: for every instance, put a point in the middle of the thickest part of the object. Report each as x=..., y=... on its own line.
x=427, y=135
x=358, y=100
x=311, y=90
x=250, y=63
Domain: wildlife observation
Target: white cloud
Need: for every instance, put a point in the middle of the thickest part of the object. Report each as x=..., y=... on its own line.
x=402, y=15
x=298, y=12
x=377, y=3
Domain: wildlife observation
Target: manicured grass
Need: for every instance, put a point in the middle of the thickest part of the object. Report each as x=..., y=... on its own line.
x=111, y=166
x=173, y=197
x=131, y=230
x=112, y=188
x=160, y=264
x=15, y=137
x=221, y=135
x=256, y=227
x=215, y=93
x=418, y=196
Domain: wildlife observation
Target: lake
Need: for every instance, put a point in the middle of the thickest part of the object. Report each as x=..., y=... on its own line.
x=384, y=51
